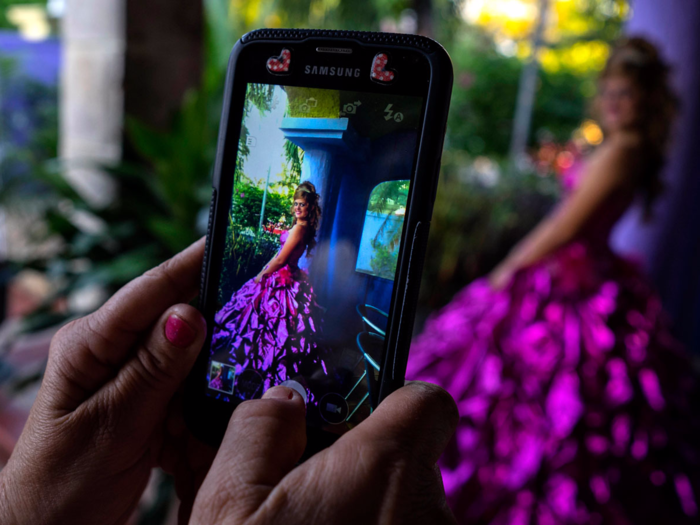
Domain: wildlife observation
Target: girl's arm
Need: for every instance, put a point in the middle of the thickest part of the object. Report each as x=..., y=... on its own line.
x=295, y=239
x=611, y=171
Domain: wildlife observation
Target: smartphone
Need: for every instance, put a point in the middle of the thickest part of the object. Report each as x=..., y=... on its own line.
x=326, y=172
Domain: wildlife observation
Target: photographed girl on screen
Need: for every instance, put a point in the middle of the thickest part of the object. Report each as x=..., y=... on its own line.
x=271, y=324
x=217, y=382
x=576, y=403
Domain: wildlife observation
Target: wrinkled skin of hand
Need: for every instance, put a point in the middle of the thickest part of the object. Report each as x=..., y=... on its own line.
x=382, y=471
x=107, y=411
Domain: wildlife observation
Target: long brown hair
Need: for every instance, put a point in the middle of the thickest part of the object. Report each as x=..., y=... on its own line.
x=307, y=192
x=639, y=60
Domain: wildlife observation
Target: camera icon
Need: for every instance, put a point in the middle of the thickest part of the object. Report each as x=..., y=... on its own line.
x=308, y=105
x=350, y=108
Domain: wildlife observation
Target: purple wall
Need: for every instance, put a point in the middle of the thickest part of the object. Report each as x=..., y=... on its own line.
x=670, y=246
x=38, y=60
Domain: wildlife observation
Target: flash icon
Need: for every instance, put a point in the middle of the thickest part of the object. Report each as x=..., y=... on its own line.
x=393, y=115
x=389, y=112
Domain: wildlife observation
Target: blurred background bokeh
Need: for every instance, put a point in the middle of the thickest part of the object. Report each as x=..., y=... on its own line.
x=109, y=115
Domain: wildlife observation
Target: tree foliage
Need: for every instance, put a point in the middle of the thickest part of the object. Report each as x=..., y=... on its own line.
x=295, y=158
x=5, y=4
x=29, y=125
x=247, y=205
x=388, y=197
x=258, y=96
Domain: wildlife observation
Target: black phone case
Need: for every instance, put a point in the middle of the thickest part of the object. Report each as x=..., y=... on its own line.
x=207, y=418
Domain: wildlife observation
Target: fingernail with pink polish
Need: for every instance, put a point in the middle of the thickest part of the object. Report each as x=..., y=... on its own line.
x=178, y=332
x=279, y=392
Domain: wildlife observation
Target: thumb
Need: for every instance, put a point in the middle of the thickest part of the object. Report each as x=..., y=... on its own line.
x=143, y=388
x=419, y=418
x=264, y=440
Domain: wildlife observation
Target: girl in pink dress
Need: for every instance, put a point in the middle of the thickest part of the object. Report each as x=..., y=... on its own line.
x=217, y=382
x=576, y=404
x=272, y=323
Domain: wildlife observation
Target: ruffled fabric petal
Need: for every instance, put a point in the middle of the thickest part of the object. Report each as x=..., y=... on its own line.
x=576, y=404
x=272, y=327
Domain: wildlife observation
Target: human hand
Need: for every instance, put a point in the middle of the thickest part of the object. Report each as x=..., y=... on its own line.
x=501, y=276
x=105, y=415
x=382, y=471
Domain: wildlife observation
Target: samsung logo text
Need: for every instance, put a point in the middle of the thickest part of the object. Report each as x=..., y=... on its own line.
x=332, y=71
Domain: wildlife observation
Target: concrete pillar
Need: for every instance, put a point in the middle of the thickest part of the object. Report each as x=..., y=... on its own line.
x=325, y=141
x=92, y=100
x=331, y=148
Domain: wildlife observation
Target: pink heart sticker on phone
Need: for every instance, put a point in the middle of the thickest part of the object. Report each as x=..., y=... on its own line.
x=380, y=73
x=280, y=64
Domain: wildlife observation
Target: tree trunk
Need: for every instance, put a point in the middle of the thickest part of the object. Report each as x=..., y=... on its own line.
x=424, y=16
x=527, y=92
x=164, y=57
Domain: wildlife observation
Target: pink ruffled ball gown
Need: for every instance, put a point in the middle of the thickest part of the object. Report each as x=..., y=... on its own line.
x=216, y=383
x=576, y=404
x=273, y=327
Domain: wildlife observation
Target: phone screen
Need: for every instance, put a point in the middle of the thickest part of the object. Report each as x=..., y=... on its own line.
x=320, y=191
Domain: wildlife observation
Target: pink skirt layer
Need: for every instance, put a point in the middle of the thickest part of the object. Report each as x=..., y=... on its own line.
x=576, y=404
x=272, y=327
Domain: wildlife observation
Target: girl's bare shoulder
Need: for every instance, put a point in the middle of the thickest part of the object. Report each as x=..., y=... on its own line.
x=298, y=230
x=617, y=162
x=620, y=151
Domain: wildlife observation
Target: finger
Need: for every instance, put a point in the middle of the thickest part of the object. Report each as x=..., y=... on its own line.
x=142, y=390
x=85, y=354
x=399, y=444
x=418, y=419
x=264, y=440
x=387, y=463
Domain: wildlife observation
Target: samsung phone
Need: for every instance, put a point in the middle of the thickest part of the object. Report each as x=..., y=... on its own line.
x=325, y=177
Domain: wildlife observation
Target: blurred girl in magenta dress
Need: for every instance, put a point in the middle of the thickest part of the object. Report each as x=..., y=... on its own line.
x=272, y=323
x=576, y=404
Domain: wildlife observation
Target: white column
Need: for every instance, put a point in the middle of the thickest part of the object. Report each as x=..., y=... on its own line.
x=92, y=99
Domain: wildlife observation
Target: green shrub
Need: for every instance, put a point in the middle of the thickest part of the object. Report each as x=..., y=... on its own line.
x=247, y=203
x=245, y=254
x=384, y=260
x=474, y=227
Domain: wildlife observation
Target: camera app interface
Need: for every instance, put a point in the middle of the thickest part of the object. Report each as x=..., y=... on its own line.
x=321, y=186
